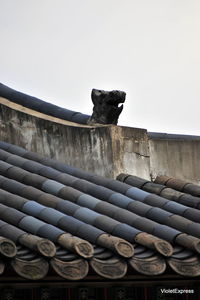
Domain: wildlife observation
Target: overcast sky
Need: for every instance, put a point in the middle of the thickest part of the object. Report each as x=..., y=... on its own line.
x=58, y=50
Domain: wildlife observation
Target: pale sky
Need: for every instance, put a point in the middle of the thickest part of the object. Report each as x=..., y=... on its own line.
x=58, y=50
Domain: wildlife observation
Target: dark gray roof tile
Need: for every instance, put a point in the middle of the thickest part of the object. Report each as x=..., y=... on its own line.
x=189, y=200
x=176, y=184
x=103, y=254
x=12, y=216
x=86, y=215
x=183, y=254
x=174, y=207
x=49, y=172
x=194, y=229
x=171, y=194
x=134, y=211
x=69, y=194
x=49, y=232
x=100, y=192
x=133, y=180
x=119, y=200
x=15, y=160
x=158, y=215
x=183, y=223
x=145, y=225
x=151, y=187
x=66, y=179
x=4, y=167
x=4, y=155
x=2, y=223
x=31, y=166
x=12, y=186
x=3, y=208
x=89, y=233
x=81, y=185
x=117, y=186
x=126, y=232
x=12, y=200
x=80, y=118
x=139, y=249
x=80, y=173
x=16, y=173
x=33, y=156
x=3, y=197
x=166, y=233
x=125, y=216
x=192, y=214
x=87, y=201
x=30, y=224
x=67, y=207
x=52, y=187
x=192, y=189
x=11, y=232
x=155, y=200
x=15, y=149
x=62, y=167
x=33, y=180
x=32, y=208
x=100, y=180
x=136, y=194
x=69, y=225
x=47, y=199
x=42, y=106
x=139, y=208
x=146, y=254
x=5, y=146
x=106, y=208
x=105, y=223
x=177, y=249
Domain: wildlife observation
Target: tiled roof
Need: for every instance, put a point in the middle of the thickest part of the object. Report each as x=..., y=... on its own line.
x=179, y=185
x=42, y=106
x=172, y=136
x=74, y=222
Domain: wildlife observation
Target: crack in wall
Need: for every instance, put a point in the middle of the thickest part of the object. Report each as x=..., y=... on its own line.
x=141, y=155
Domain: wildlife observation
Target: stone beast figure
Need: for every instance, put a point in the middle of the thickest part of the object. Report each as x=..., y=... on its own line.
x=106, y=108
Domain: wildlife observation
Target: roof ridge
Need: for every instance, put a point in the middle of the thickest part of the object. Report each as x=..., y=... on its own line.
x=42, y=106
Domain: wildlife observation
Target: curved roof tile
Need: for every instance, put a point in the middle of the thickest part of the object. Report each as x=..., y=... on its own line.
x=42, y=106
x=45, y=201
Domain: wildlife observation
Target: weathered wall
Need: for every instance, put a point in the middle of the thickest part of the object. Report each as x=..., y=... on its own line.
x=105, y=150
x=175, y=156
x=131, y=151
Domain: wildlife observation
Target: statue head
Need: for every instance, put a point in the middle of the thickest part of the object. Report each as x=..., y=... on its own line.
x=106, y=108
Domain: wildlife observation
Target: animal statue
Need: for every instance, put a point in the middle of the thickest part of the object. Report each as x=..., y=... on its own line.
x=106, y=108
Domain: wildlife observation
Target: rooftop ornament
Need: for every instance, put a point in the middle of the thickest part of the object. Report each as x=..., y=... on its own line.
x=106, y=108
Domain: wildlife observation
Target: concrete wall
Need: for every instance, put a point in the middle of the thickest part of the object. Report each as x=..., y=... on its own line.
x=131, y=151
x=176, y=156
x=104, y=150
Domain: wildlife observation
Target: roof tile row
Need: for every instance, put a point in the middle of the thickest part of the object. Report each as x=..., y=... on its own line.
x=45, y=200
x=42, y=106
